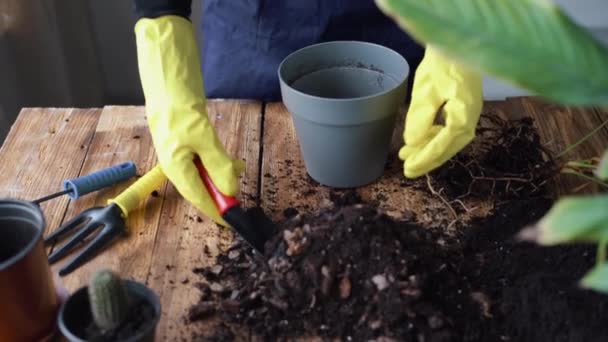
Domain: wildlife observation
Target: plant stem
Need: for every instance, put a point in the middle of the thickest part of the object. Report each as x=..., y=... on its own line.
x=583, y=164
x=592, y=179
x=583, y=139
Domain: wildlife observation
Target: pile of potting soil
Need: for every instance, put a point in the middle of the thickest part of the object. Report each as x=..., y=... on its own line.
x=533, y=292
x=351, y=272
x=347, y=271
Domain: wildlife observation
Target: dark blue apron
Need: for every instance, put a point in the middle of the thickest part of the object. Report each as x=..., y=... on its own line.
x=244, y=41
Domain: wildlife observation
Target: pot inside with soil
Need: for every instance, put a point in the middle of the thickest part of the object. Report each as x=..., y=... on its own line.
x=110, y=309
x=344, y=97
x=29, y=299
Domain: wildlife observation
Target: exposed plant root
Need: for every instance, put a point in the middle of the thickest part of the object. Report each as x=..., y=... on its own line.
x=438, y=194
x=501, y=163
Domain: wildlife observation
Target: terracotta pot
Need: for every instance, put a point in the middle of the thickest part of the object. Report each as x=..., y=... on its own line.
x=28, y=298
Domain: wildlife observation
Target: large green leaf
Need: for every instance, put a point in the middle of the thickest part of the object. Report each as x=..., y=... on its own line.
x=597, y=279
x=529, y=43
x=602, y=169
x=572, y=219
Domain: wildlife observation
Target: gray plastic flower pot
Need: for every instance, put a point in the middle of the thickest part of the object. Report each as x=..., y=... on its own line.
x=344, y=97
x=75, y=314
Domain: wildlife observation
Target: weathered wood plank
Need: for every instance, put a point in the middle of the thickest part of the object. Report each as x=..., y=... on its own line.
x=562, y=126
x=44, y=147
x=167, y=238
x=121, y=135
x=186, y=239
x=285, y=183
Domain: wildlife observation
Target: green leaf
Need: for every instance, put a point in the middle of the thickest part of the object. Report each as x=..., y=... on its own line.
x=596, y=279
x=572, y=219
x=529, y=43
x=602, y=169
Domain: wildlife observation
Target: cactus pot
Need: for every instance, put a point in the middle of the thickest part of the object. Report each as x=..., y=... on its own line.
x=75, y=318
x=344, y=97
x=28, y=299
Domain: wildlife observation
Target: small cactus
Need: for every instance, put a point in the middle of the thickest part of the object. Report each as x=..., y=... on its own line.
x=109, y=300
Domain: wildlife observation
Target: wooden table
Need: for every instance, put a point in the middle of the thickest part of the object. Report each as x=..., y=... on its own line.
x=167, y=235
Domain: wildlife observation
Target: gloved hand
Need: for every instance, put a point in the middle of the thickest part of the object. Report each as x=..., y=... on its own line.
x=176, y=109
x=438, y=82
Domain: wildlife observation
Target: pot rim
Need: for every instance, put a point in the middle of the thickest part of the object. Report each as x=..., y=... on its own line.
x=133, y=287
x=340, y=42
x=37, y=212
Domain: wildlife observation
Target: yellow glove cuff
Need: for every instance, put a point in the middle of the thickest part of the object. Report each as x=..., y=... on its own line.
x=135, y=194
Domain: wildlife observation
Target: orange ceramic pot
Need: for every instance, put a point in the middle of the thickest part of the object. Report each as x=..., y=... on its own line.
x=28, y=300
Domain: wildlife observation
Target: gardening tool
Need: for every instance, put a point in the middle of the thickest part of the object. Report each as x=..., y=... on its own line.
x=109, y=220
x=252, y=224
x=98, y=180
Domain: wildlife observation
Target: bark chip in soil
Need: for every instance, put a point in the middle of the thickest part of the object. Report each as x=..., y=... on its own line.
x=350, y=271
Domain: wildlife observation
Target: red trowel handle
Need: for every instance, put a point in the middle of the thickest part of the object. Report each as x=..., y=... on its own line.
x=223, y=202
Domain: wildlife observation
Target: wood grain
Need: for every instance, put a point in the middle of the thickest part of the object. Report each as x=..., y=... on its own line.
x=168, y=236
x=560, y=127
x=285, y=183
x=44, y=147
x=121, y=135
x=187, y=239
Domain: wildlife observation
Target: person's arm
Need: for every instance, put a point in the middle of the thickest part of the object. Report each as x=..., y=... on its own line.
x=172, y=83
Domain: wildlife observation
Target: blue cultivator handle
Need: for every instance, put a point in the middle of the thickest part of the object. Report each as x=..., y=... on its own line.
x=98, y=180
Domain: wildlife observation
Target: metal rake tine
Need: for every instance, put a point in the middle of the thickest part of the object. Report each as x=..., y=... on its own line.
x=73, y=241
x=66, y=228
x=107, y=234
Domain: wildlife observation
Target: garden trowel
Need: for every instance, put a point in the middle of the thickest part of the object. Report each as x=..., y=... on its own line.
x=251, y=224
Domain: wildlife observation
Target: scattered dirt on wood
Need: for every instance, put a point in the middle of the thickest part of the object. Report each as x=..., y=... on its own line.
x=345, y=269
x=220, y=333
x=290, y=212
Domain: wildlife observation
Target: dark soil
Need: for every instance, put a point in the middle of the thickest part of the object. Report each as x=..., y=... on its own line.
x=533, y=291
x=290, y=212
x=353, y=273
x=141, y=316
x=506, y=161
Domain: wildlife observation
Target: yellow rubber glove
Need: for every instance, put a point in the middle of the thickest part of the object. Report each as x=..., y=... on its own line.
x=438, y=82
x=176, y=109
